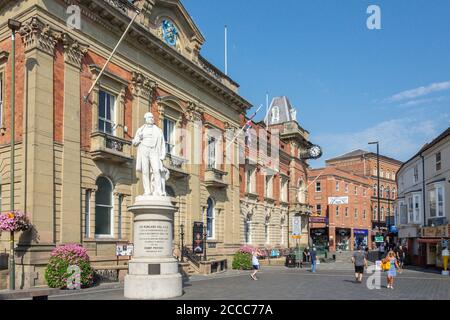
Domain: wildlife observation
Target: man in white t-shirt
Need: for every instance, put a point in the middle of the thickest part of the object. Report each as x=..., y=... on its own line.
x=255, y=263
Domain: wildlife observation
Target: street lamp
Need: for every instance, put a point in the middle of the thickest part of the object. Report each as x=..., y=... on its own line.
x=14, y=25
x=205, y=234
x=378, y=178
x=182, y=241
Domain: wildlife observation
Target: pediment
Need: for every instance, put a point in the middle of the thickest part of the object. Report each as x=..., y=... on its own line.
x=173, y=24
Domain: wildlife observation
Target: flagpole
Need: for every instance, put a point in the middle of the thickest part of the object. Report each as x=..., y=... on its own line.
x=112, y=54
x=242, y=129
x=226, y=50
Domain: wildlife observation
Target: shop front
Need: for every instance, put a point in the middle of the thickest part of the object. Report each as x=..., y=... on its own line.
x=360, y=238
x=432, y=242
x=343, y=238
x=319, y=237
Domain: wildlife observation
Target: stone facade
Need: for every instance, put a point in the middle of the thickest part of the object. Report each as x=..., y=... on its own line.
x=64, y=149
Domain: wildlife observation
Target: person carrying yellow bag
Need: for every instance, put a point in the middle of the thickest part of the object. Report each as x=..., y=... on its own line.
x=390, y=264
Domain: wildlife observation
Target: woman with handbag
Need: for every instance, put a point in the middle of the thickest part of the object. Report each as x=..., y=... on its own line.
x=390, y=264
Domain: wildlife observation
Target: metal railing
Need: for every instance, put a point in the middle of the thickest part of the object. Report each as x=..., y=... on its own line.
x=192, y=257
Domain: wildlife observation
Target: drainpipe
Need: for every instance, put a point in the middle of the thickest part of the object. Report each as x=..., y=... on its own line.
x=423, y=189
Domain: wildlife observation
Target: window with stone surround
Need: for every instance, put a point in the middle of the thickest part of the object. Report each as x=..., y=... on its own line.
x=346, y=212
x=212, y=146
x=210, y=219
x=318, y=187
x=87, y=213
x=169, y=131
x=284, y=189
x=346, y=188
x=104, y=211
x=337, y=211
x=356, y=213
x=108, y=115
x=106, y=112
x=337, y=185
x=364, y=214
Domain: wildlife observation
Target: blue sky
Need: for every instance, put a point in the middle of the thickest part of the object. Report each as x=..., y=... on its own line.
x=349, y=84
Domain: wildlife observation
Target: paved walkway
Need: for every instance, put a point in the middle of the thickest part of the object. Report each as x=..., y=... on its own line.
x=280, y=283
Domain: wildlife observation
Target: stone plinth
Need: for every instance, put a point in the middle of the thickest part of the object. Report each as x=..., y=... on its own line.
x=153, y=271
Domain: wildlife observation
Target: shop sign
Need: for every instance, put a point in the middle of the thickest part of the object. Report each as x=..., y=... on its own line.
x=360, y=231
x=435, y=232
x=379, y=239
x=408, y=233
x=337, y=200
x=318, y=219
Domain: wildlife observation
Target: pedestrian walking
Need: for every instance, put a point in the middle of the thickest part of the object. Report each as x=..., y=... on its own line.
x=313, y=258
x=391, y=265
x=366, y=251
x=255, y=263
x=400, y=254
x=360, y=261
x=306, y=254
x=381, y=249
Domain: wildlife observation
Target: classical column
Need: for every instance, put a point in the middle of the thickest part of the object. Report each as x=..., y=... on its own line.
x=194, y=116
x=71, y=157
x=34, y=246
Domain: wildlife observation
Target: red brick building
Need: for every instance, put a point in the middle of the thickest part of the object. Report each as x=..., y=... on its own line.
x=341, y=217
x=364, y=163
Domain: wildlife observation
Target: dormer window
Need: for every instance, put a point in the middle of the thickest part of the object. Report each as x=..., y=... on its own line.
x=275, y=114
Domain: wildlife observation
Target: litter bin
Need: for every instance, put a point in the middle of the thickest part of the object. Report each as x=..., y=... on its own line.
x=290, y=261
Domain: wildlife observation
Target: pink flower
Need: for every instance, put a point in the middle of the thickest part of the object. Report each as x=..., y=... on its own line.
x=14, y=221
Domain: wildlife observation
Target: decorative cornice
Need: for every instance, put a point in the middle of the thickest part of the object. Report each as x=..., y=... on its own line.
x=194, y=112
x=3, y=56
x=73, y=50
x=143, y=86
x=37, y=35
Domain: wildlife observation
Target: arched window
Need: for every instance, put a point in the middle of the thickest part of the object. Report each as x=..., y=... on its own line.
x=210, y=216
x=381, y=191
x=393, y=193
x=388, y=193
x=266, y=227
x=382, y=214
x=248, y=229
x=375, y=214
x=104, y=208
x=375, y=190
x=282, y=221
x=275, y=114
x=301, y=197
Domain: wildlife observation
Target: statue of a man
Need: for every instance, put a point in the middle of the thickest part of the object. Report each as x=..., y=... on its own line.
x=151, y=152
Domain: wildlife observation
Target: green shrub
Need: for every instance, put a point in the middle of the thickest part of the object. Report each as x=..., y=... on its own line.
x=242, y=261
x=56, y=273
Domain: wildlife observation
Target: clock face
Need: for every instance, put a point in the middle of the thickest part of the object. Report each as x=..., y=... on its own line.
x=315, y=152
